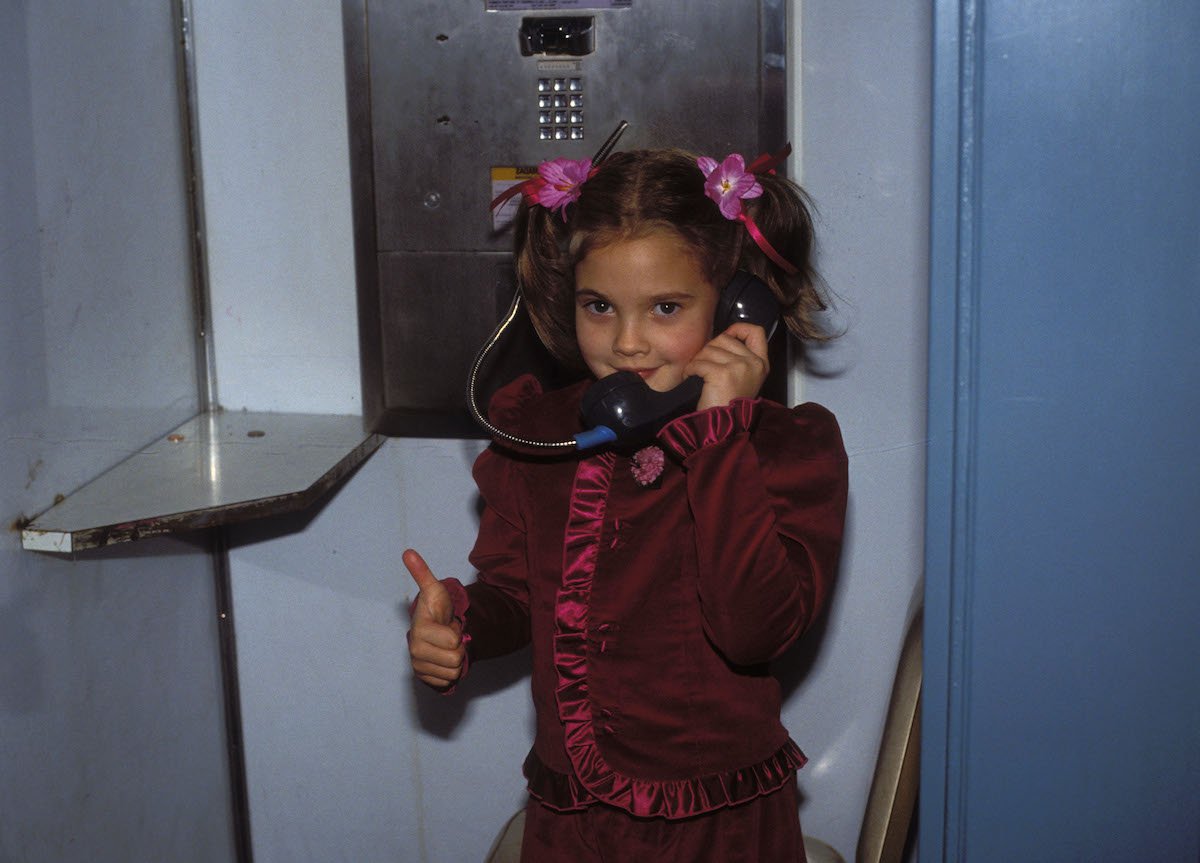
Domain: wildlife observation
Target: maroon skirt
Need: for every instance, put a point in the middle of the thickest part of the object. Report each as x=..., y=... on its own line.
x=763, y=830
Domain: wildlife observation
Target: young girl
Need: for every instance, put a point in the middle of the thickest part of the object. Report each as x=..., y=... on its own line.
x=655, y=585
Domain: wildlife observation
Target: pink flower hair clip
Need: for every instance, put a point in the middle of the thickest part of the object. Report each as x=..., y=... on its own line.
x=558, y=184
x=730, y=182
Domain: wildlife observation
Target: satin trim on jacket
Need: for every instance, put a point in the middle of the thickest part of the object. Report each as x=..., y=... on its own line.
x=595, y=779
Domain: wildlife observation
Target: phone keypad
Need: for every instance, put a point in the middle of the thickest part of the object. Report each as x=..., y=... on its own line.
x=560, y=109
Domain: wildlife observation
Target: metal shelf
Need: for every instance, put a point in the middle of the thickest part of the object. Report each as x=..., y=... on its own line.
x=216, y=468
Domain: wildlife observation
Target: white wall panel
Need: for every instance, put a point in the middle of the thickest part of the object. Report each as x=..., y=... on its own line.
x=272, y=105
x=110, y=692
x=865, y=83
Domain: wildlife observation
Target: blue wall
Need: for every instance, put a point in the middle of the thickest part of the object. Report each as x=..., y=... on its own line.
x=1062, y=699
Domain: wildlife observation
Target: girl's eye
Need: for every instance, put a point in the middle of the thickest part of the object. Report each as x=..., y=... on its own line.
x=667, y=309
x=598, y=307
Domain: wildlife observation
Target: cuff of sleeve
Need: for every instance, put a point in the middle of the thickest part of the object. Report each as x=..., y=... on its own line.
x=459, y=597
x=691, y=432
x=461, y=602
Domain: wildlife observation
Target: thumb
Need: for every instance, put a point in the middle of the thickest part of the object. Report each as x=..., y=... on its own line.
x=434, y=601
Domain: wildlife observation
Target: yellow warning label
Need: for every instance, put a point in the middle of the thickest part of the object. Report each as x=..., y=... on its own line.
x=504, y=177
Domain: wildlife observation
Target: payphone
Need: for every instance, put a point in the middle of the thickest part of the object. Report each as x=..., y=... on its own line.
x=450, y=101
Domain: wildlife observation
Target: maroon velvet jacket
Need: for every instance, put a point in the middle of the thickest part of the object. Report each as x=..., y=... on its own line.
x=653, y=611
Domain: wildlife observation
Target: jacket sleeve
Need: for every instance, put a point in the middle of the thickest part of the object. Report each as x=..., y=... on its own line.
x=497, y=614
x=496, y=621
x=767, y=487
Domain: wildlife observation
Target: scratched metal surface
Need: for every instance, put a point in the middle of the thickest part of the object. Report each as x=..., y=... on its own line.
x=213, y=469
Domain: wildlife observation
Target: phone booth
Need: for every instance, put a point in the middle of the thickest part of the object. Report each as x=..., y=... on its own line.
x=451, y=101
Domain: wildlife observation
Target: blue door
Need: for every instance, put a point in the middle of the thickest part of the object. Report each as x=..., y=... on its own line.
x=1062, y=699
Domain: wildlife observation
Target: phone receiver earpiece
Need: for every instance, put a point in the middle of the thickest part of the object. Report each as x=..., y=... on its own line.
x=747, y=298
x=624, y=409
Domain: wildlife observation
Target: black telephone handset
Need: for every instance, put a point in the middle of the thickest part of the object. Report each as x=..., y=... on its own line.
x=622, y=408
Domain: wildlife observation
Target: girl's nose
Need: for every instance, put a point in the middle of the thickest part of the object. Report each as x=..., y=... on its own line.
x=629, y=339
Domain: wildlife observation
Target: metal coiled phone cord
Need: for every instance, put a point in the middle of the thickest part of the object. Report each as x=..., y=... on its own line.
x=500, y=434
x=581, y=441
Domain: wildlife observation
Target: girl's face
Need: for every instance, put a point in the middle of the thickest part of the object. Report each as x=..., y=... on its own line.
x=642, y=305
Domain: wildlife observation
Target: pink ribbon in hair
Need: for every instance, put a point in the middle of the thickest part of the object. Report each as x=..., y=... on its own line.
x=559, y=182
x=732, y=181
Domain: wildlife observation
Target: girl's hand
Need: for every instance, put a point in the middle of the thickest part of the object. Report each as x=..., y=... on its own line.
x=435, y=642
x=733, y=365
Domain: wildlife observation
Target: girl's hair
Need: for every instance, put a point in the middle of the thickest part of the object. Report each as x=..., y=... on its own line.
x=639, y=192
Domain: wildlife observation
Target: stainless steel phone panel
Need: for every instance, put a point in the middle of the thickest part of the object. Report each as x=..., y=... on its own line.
x=440, y=93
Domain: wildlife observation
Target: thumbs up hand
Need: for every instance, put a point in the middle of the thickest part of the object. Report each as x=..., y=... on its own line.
x=435, y=642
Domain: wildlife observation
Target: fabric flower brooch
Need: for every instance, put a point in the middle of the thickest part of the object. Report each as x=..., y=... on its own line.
x=647, y=465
